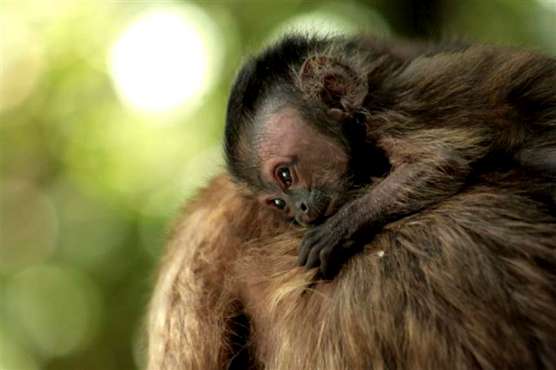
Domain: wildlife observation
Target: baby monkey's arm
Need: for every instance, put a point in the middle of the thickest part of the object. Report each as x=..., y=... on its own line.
x=442, y=162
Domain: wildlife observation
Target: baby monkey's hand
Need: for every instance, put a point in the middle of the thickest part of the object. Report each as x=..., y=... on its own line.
x=327, y=245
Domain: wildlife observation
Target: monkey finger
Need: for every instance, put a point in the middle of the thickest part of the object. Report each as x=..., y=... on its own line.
x=313, y=260
x=311, y=238
x=304, y=250
x=326, y=262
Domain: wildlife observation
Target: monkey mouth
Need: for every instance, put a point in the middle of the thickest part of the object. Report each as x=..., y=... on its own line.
x=295, y=222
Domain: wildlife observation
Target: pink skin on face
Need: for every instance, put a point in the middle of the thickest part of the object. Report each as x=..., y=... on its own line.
x=312, y=158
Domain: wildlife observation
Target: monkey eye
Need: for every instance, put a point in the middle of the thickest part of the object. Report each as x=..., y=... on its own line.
x=278, y=203
x=284, y=175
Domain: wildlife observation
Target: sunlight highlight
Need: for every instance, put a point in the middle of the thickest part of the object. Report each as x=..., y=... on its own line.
x=163, y=60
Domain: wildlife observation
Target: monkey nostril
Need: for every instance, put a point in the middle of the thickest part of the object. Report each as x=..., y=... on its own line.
x=303, y=207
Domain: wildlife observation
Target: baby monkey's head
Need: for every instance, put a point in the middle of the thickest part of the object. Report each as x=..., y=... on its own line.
x=293, y=114
x=296, y=169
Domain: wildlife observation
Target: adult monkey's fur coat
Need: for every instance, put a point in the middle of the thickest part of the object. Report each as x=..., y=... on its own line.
x=468, y=284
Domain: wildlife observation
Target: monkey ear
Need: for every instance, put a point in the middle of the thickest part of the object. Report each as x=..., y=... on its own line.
x=334, y=83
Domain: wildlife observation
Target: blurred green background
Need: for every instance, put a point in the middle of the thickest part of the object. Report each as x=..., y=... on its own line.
x=111, y=115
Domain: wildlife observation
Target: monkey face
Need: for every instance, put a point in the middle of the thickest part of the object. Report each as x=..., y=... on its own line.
x=302, y=170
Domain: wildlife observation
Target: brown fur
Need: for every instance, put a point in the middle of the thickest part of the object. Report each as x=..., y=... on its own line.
x=435, y=119
x=469, y=284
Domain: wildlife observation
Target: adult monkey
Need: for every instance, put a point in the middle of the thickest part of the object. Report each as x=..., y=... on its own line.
x=468, y=284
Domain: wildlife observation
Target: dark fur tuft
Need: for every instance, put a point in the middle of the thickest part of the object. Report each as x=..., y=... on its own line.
x=253, y=82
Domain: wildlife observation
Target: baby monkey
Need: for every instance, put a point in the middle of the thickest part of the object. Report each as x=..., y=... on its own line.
x=348, y=134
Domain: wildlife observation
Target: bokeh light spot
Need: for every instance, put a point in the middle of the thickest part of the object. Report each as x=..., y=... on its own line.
x=12, y=356
x=165, y=59
x=28, y=225
x=57, y=308
x=335, y=18
x=92, y=232
x=21, y=61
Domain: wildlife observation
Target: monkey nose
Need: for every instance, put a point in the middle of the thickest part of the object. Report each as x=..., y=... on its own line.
x=306, y=215
x=302, y=206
